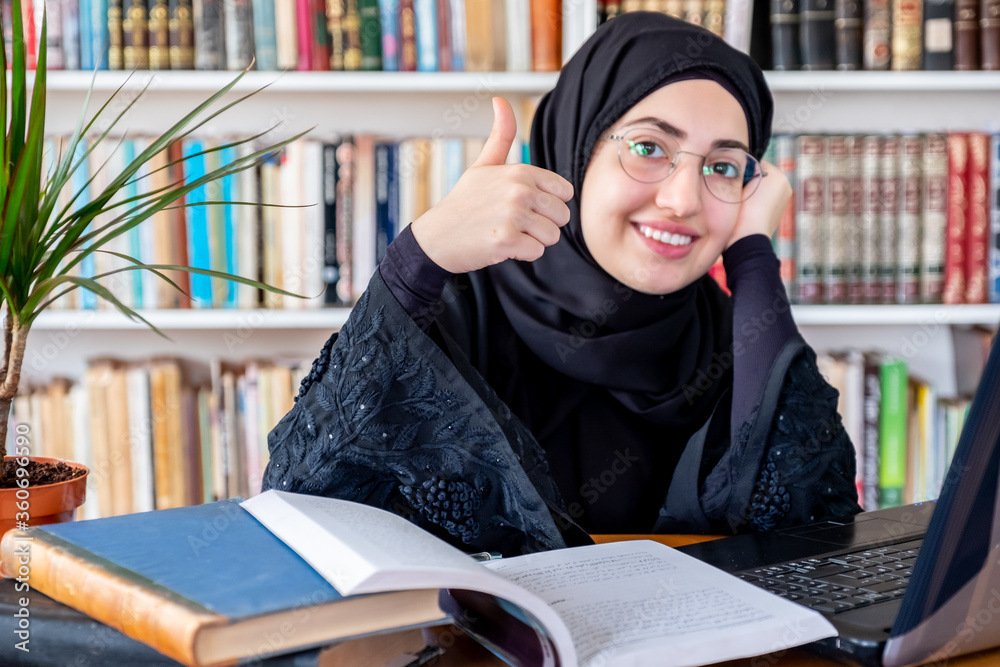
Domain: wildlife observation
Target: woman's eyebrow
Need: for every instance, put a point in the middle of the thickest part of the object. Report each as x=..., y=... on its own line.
x=667, y=128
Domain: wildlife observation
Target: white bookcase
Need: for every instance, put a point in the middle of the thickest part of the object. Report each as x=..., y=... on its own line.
x=458, y=104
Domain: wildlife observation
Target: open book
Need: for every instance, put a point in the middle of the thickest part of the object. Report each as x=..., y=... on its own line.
x=625, y=603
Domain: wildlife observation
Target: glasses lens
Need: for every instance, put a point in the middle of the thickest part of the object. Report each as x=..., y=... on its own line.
x=731, y=175
x=647, y=155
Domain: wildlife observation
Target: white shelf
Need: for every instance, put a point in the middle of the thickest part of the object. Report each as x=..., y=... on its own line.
x=883, y=82
x=390, y=83
x=328, y=319
x=985, y=314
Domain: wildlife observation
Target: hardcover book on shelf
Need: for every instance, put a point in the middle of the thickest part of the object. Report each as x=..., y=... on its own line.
x=888, y=217
x=907, y=21
x=877, y=35
x=977, y=218
x=909, y=220
x=934, y=192
x=954, y=261
x=810, y=217
x=189, y=582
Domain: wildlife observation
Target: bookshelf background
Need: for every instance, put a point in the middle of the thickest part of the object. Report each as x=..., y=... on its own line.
x=457, y=104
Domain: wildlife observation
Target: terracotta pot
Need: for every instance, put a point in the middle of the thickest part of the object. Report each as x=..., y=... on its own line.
x=50, y=503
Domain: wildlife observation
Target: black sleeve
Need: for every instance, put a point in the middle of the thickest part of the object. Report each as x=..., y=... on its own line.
x=413, y=278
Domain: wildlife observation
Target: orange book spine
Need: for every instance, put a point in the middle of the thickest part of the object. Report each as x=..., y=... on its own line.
x=977, y=219
x=166, y=622
x=954, y=260
x=546, y=35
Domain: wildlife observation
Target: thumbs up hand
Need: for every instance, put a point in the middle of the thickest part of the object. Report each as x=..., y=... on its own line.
x=495, y=211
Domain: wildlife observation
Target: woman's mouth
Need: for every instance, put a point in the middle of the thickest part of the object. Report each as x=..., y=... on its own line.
x=677, y=240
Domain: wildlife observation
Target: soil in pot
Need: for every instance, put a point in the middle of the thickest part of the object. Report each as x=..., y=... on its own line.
x=39, y=473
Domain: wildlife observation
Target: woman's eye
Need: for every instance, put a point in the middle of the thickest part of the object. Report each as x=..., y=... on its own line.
x=649, y=149
x=724, y=169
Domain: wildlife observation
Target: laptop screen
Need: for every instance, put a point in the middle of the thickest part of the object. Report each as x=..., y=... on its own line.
x=959, y=535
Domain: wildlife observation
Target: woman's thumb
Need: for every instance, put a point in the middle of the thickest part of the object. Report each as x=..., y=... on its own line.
x=501, y=137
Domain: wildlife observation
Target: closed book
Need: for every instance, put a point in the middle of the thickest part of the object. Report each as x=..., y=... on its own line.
x=967, y=34
x=785, y=154
x=178, y=223
x=478, y=35
x=892, y=432
x=304, y=34
x=209, y=37
x=371, y=36
x=386, y=218
x=954, y=260
x=352, y=36
x=248, y=219
x=816, y=34
x=989, y=29
x=159, y=34
x=855, y=236
x=181, y=27
x=231, y=192
x=319, y=53
x=427, y=34
x=519, y=41
x=331, y=263
x=715, y=17
x=935, y=217
x=849, y=26
x=877, y=35
x=312, y=258
x=189, y=582
x=694, y=10
x=909, y=219
x=135, y=35
x=546, y=35
x=113, y=26
x=272, y=243
x=888, y=217
x=198, y=231
x=994, y=274
x=977, y=219
x=70, y=17
x=457, y=32
x=335, y=27
x=810, y=217
x=939, y=42
x=408, y=36
x=785, y=51
x=215, y=191
x=837, y=220
x=169, y=465
x=907, y=45
x=237, y=34
x=345, y=220
x=389, y=15
x=286, y=34
x=871, y=182
x=264, y=35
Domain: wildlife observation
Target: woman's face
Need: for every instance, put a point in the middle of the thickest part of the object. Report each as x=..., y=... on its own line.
x=617, y=212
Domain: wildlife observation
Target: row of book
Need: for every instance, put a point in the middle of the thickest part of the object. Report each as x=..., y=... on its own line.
x=164, y=432
x=885, y=34
x=306, y=35
x=334, y=207
x=904, y=434
x=911, y=218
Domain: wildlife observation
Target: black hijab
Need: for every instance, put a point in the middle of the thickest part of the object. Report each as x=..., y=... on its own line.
x=657, y=355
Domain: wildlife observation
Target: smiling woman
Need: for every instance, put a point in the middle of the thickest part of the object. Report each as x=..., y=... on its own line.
x=542, y=354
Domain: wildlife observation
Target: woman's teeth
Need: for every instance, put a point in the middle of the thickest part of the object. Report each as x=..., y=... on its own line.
x=664, y=237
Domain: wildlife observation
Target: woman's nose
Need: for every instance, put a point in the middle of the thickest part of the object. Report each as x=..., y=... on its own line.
x=681, y=192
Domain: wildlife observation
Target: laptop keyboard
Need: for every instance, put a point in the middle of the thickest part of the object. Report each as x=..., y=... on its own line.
x=845, y=581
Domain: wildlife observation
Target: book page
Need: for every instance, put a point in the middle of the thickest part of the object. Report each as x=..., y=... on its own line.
x=363, y=549
x=637, y=603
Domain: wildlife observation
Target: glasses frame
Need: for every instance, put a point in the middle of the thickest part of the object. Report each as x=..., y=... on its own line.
x=620, y=138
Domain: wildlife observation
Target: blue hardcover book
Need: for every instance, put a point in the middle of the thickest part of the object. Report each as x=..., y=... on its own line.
x=100, y=35
x=265, y=35
x=386, y=197
x=425, y=12
x=389, y=14
x=85, y=17
x=199, y=253
x=71, y=34
x=131, y=189
x=79, y=185
x=205, y=585
x=230, y=192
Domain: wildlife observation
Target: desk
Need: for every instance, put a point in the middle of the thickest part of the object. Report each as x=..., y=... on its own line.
x=466, y=653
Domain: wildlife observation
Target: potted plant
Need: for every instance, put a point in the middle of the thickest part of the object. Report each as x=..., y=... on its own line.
x=41, y=243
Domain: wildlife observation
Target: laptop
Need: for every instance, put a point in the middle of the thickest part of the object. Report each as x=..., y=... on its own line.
x=902, y=585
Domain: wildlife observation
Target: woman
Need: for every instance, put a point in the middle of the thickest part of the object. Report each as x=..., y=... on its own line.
x=542, y=354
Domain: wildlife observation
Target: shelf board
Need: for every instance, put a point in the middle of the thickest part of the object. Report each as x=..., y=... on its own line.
x=883, y=82
x=308, y=82
x=328, y=319
x=333, y=318
x=905, y=315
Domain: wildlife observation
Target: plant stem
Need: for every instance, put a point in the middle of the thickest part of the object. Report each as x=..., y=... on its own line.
x=8, y=324
x=14, y=355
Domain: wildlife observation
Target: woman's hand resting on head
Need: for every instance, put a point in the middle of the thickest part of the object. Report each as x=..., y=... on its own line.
x=495, y=211
x=761, y=213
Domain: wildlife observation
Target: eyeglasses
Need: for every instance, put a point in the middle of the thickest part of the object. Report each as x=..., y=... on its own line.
x=649, y=156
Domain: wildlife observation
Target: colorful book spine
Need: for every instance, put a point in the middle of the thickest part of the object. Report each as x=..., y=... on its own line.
x=810, y=215
x=458, y=36
x=995, y=219
x=816, y=34
x=546, y=35
x=286, y=34
x=939, y=41
x=371, y=35
x=909, y=211
x=237, y=34
x=989, y=28
x=304, y=34
x=871, y=184
x=345, y=230
x=198, y=234
x=135, y=35
x=230, y=193
x=352, y=36
x=892, y=432
x=849, y=34
x=935, y=218
x=837, y=221
x=389, y=12
x=159, y=34
x=888, y=215
x=100, y=33
x=967, y=34
x=264, y=35
x=71, y=34
x=181, y=26
x=85, y=16
x=785, y=52
x=331, y=262
x=427, y=39
x=335, y=26
x=408, y=36
x=907, y=22
x=319, y=54
x=131, y=190
x=785, y=156
x=977, y=219
x=878, y=31
x=855, y=280
x=954, y=261
x=209, y=40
